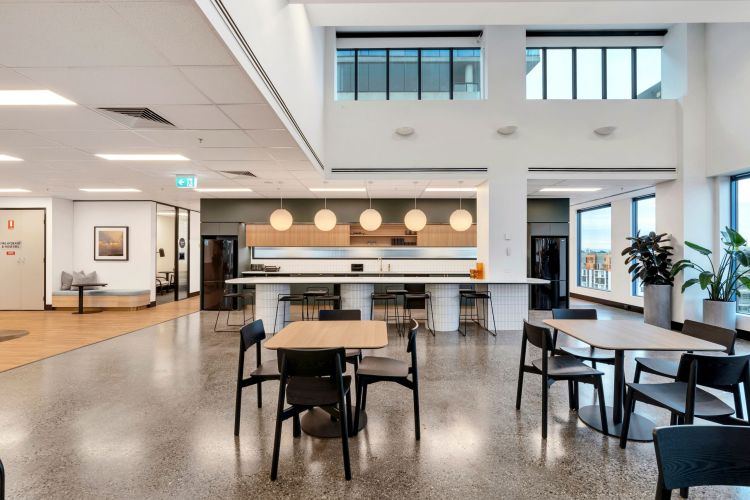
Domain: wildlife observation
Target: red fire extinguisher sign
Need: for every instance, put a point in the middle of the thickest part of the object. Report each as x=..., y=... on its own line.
x=11, y=224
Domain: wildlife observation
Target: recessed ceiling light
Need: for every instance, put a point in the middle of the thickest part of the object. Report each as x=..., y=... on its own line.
x=33, y=98
x=110, y=190
x=450, y=190
x=14, y=190
x=338, y=190
x=224, y=190
x=569, y=190
x=143, y=157
x=9, y=158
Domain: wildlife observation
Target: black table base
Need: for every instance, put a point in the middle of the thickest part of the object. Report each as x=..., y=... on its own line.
x=320, y=423
x=641, y=428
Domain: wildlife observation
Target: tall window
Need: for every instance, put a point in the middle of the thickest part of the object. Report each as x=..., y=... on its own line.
x=644, y=221
x=741, y=223
x=408, y=74
x=595, y=248
x=593, y=73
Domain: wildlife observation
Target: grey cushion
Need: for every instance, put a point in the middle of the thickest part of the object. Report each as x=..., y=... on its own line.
x=81, y=278
x=102, y=292
x=66, y=279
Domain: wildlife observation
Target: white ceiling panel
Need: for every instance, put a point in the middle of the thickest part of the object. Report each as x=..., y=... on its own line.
x=232, y=154
x=189, y=40
x=119, y=86
x=272, y=138
x=13, y=80
x=56, y=154
x=74, y=34
x=287, y=154
x=199, y=138
x=224, y=85
x=253, y=116
x=96, y=140
x=195, y=117
x=252, y=166
x=54, y=117
x=19, y=139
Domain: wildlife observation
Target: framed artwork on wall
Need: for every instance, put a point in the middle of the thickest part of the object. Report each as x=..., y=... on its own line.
x=111, y=243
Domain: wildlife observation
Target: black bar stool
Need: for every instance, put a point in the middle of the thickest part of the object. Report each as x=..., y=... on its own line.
x=330, y=300
x=310, y=295
x=243, y=297
x=470, y=299
x=290, y=299
x=386, y=298
x=399, y=292
x=409, y=301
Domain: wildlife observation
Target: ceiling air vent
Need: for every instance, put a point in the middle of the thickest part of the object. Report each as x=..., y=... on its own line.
x=137, y=117
x=244, y=173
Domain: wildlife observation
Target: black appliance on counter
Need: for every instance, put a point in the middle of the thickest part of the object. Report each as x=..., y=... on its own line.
x=549, y=261
x=219, y=263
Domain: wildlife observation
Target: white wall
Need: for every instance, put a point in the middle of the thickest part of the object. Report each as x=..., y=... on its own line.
x=195, y=252
x=165, y=238
x=136, y=273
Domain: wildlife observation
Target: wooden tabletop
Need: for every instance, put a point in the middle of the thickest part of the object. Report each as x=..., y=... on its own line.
x=327, y=334
x=629, y=335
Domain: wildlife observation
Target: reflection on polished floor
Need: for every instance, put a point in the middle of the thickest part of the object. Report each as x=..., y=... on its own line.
x=150, y=414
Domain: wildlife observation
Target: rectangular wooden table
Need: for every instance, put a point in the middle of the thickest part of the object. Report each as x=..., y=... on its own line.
x=620, y=336
x=328, y=334
x=325, y=335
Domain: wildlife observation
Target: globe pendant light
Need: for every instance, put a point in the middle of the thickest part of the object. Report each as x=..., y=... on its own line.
x=460, y=219
x=281, y=219
x=325, y=219
x=415, y=219
x=370, y=219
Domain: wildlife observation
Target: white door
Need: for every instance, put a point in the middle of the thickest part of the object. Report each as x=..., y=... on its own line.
x=22, y=236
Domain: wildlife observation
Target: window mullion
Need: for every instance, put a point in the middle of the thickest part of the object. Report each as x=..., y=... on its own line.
x=356, y=74
x=419, y=74
x=633, y=74
x=575, y=73
x=604, y=73
x=387, y=74
x=544, y=73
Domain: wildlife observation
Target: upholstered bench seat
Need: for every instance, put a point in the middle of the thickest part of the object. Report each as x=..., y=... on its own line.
x=104, y=298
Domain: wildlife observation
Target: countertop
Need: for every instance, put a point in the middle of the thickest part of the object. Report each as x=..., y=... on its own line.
x=426, y=280
x=347, y=273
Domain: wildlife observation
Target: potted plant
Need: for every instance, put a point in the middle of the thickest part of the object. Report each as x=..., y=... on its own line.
x=650, y=259
x=720, y=282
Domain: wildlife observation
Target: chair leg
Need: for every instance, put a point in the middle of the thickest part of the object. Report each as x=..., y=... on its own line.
x=637, y=376
x=276, y=317
x=296, y=426
x=545, y=389
x=260, y=395
x=358, y=410
x=554, y=342
x=344, y=418
x=519, y=390
x=602, y=405
x=684, y=492
x=364, y=397
x=492, y=311
x=349, y=416
x=416, y=410
x=277, y=437
x=571, y=395
x=237, y=410
x=575, y=392
x=432, y=318
x=462, y=316
x=661, y=492
x=626, y=419
x=673, y=419
x=593, y=364
x=738, y=402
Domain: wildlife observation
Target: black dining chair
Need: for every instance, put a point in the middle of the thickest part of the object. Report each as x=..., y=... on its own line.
x=701, y=455
x=353, y=356
x=375, y=369
x=2, y=481
x=668, y=367
x=309, y=379
x=554, y=368
x=250, y=335
x=588, y=353
x=684, y=400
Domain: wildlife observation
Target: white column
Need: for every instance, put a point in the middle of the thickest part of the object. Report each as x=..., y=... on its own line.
x=265, y=305
x=357, y=296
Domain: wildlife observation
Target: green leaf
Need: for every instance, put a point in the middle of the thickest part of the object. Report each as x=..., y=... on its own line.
x=698, y=248
x=688, y=284
x=734, y=237
x=745, y=281
x=705, y=279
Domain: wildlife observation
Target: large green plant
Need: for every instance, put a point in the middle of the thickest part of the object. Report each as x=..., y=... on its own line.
x=720, y=282
x=650, y=259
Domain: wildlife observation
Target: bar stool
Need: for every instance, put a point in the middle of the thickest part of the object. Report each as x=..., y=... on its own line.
x=328, y=299
x=232, y=297
x=386, y=298
x=399, y=292
x=473, y=297
x=409, y=299
x=291, y=299
x=310, y=294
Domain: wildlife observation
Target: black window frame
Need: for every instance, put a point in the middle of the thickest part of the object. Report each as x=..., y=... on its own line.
x=634, y=229
x=733, y=201
x=578, y=241
x=574, y=76
x=419, y=69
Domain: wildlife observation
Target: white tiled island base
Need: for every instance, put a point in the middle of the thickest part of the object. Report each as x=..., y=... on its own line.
x=510, y=299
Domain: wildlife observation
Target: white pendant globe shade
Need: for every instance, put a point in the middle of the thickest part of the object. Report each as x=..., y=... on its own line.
x=281, y=219
x=325, y=220
x=370, y=219
x=415, y=220
x=461, y=220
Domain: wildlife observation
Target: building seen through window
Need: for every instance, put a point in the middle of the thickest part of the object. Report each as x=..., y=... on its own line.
x=595, y=248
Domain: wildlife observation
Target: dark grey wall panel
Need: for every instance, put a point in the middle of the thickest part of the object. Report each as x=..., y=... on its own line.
x=548, y=210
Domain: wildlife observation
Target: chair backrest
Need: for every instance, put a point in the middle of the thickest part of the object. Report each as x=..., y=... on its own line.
x=311, y=362
x=340, y=315
x=711, y=333
x=698, y=455
x=713, y=371
x=252, y=334
x=537, y=336
x=411, y=344
x=574, y=314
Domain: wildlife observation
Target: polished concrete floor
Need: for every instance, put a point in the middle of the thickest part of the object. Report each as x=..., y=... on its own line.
x=150, y=415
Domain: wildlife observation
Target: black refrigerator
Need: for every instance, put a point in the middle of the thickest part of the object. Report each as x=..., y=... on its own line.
x=219, y=264
x=549, y=261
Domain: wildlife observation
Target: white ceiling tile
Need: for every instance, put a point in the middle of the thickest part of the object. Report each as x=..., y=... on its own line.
x=232, y=154
x=56, y=154
x=199, y=138
x=18, y=139
x=272, y=138
x=118, y=86
x=287, y=154
x=241, y=165
x=224, y=84
x=75, y=34
x=253, y=116
x=179, y=31
x=54, y=117
x=96, y=140
x=195, y=117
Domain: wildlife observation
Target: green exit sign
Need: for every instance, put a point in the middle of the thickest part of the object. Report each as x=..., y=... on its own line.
x=186, y=181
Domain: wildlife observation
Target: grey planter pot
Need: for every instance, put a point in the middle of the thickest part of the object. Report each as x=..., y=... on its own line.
x=657, y=305
x=723, y=314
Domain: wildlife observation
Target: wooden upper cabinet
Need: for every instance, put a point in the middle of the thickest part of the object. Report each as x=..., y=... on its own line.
x=442, y=235
x=299, y=235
